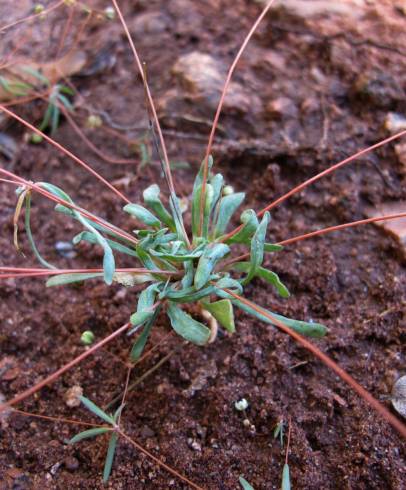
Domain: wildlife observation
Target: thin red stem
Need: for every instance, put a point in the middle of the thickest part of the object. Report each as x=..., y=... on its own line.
x=67, y=152
x=87, y=141
x=52, y=197
x=57, y=419
x=158, y=461
x=362, y=392
x=323, y=231
x=54, y=376
x=220, y=107
x=149, y=97
x=388, y=217
x=32, y=17
x=329, y=170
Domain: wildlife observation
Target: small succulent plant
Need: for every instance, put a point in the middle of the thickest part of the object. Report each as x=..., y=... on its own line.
x=178, y=271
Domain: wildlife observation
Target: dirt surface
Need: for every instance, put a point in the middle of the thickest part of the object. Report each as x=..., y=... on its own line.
x=321, y=87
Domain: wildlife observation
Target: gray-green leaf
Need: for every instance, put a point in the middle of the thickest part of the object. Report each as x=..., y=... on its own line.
x=223, y=312
x=89, y=433
x=152, y=200
x=110, y=456
x=62, y=279
x=142, y=214
x=211, y=255
x=245, y=485
x=227, y=207
x=96, y=410
x=257, y=248
x=187, y=327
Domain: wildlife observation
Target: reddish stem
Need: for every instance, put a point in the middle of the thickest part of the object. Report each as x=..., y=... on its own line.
x=158, y=461
x=329, y=170
x=149, y=97
x=87, y=141
x=57, y=419
x=52, y=197
x=220, y=107
x=362, y=392
x=388, y=217
x=54, y=376
x=323, y=231
x=64, y=150
x=32, y=17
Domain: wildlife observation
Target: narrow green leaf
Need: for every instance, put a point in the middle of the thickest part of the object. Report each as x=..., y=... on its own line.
x=285, y=477
x=30, y=235
x=145, y=302
x=89, y=433
x=308, y=329
x=62, y=279
x=66, y=102
x=69, y=212
x=141, y=341
x=206, y=211
x=177, y=217
x=257, y=248
x=199, y=177
x=273, y=279
x=117, y=413
x=176, y=257
x=142, y=214
x=227, y=207
x=265, y=274
x=187, y=279
x=250, y=224
x=90, y=238
x=187, y=327
x=229, y=283
x=188, y=295
x=223, y=312
x=152, y=200
x=110, y=456
x=47, y=117
x=54, y=118
x=245, y=485
x=108, y=259
x=211, y=255
x=217, y=183
x=272, y=247
x=37, y=74
x=96, y=410
x=66, y=90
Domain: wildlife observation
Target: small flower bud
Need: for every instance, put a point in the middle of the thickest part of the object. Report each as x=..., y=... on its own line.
x=87, y=337
x=36, y=139
x=94, y=121
x=241, y=405
x=110, y=13
x=227, y=190
x=39, y=8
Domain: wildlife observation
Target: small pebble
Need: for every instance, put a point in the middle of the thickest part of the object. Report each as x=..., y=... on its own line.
x=399, y=396
x=71, y=463
x=72, y=396
x=65, y=250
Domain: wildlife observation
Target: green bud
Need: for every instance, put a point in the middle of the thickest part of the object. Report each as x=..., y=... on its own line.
x=36, y=138
x=38, y=8
x=94, y=121
x=87, y=337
